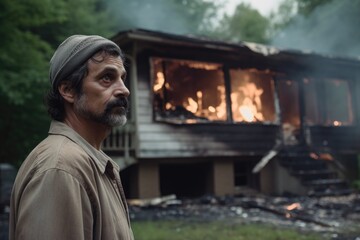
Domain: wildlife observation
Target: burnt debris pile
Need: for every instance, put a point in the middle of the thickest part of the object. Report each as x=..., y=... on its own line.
x=334, y=215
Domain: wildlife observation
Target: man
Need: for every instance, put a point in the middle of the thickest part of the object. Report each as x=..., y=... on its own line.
x=68, y=188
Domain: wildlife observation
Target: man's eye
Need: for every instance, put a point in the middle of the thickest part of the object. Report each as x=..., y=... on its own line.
x=123, y=77
x=106, y=78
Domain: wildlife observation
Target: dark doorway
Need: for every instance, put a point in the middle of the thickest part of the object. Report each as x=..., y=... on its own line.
x=184, y=180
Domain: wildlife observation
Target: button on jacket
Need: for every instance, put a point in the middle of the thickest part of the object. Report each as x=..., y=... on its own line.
x=66, y=189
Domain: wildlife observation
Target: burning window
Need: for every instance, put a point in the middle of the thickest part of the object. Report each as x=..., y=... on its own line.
x=188, y=91
x=252, y=96
x=333, y=98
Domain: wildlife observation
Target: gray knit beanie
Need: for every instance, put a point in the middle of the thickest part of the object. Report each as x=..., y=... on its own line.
x=72, y=53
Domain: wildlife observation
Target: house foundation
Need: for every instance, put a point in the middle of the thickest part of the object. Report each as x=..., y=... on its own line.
x=152, y=178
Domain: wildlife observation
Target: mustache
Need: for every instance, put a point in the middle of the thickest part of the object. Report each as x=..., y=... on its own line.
x=119, y=102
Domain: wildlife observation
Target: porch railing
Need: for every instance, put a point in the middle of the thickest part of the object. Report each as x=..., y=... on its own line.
x=120, y=144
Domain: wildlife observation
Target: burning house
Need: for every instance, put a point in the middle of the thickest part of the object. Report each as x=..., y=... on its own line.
x=210, y=117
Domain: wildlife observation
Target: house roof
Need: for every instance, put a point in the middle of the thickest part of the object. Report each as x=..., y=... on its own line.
x=124, y=37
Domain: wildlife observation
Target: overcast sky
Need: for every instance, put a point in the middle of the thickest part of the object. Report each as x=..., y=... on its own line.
x=263, y=6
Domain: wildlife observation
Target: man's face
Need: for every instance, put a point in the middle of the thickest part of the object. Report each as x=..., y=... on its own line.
x=104, y=95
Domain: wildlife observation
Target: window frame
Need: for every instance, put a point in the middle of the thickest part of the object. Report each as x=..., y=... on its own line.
x=321, y=101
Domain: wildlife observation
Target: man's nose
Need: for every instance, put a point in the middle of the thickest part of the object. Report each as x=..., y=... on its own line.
x=121, y=90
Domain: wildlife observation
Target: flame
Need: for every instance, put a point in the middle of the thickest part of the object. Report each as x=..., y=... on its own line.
x=322, y=156
x=221, y=108
x=210, y=112
x=168, y=106
x=167, y=86
x=326, y=156
x=314, y=155
x=249, y=110
x=212, y=109
x=221, y=111
x=159, y=82
x=192, y=106
x=293, y=206
x=337, y=123
x=200, y=65
x=200, y=101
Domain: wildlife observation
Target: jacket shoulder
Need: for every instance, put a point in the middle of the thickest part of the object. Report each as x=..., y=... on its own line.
x=58, y=152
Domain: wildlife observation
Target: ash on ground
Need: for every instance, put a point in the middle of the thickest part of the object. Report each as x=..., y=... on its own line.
x=335, y=217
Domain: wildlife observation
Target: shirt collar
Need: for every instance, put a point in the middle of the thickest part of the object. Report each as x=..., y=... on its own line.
x=102, y=160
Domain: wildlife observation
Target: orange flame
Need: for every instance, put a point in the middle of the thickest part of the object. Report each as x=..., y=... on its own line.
x=322, y=156
x=249, y=110
x=191, y=105
x=337, y=123
x=159, y=82
x=293, y=206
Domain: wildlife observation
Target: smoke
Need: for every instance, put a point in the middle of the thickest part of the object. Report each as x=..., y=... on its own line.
x=330, y=29
x=172, y=16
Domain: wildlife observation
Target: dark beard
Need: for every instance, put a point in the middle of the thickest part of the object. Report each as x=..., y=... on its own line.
x=108, y=117
x=119, y=102
x=118, y=118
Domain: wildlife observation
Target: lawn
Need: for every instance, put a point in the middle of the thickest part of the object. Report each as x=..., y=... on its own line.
x=181, y=230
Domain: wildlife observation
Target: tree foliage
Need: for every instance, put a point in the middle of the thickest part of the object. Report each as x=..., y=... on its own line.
x=245, y=24
x=30, y=30
x=306, y=7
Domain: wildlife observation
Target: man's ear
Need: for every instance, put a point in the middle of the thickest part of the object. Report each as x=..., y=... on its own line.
x=67, y=92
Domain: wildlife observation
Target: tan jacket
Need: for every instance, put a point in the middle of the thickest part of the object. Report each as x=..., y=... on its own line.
x=66, y=189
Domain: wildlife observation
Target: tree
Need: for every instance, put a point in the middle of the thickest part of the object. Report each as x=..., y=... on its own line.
x=306, y=7
x=283, y=16
x=22, y=73
x=30, y=30
x=246, y=24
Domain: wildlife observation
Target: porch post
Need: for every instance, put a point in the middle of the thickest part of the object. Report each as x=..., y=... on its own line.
x=149, y=184
x=223, y=177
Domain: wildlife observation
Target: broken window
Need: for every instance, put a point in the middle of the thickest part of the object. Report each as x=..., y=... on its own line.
x=288, y=92
x=252, y=96
x=188, y=91
x=338, y=107
x=328, y=102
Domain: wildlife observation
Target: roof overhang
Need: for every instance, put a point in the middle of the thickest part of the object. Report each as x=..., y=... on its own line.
x=175, y=40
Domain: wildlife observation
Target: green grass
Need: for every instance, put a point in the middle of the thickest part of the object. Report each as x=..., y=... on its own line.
x=181, y=230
